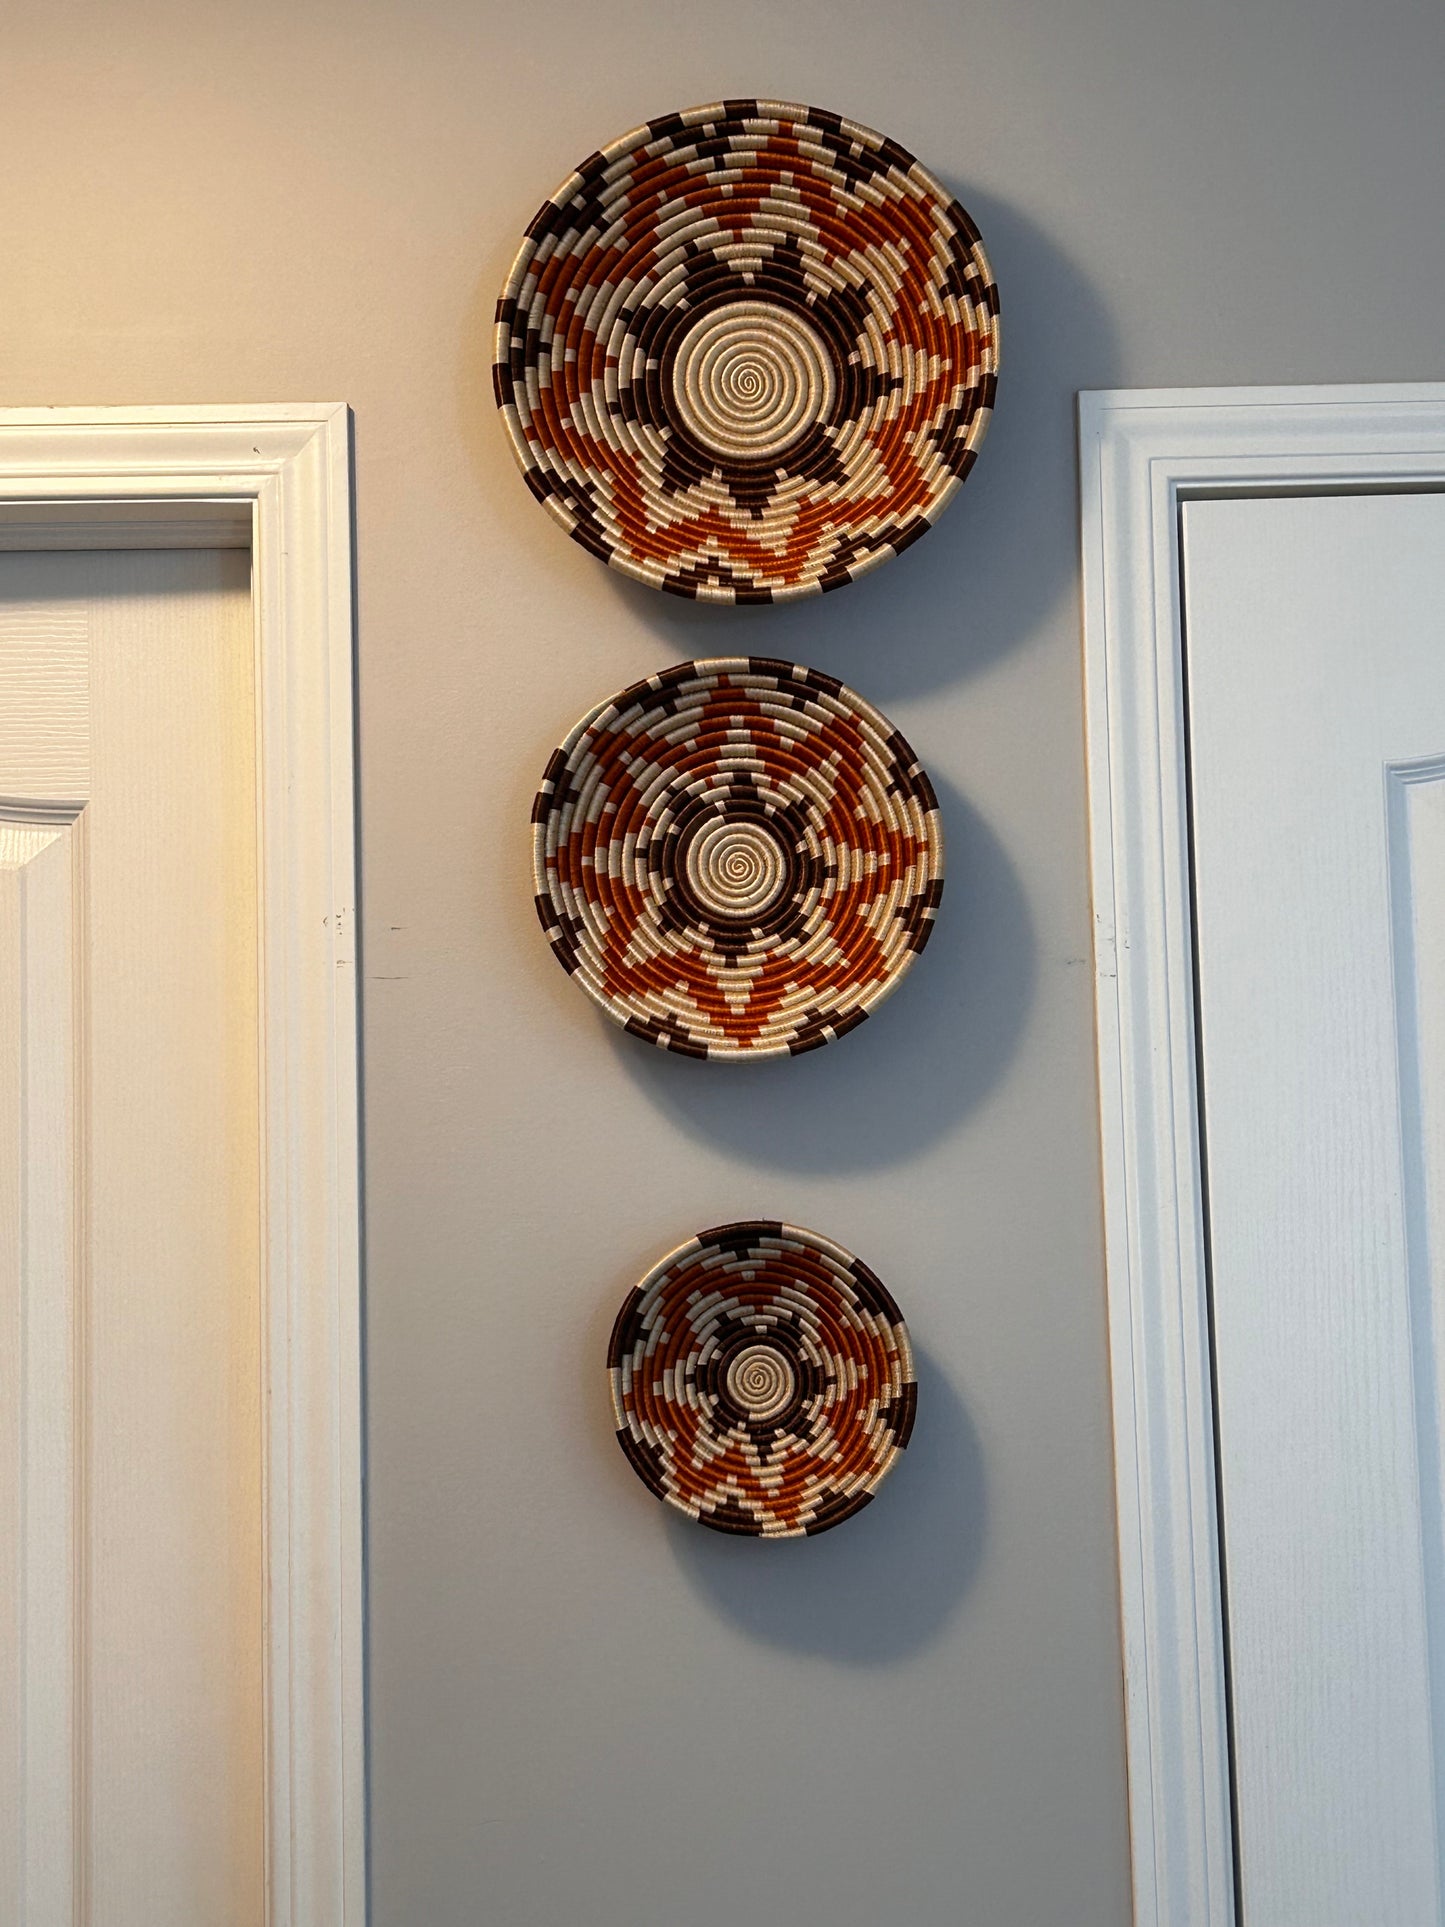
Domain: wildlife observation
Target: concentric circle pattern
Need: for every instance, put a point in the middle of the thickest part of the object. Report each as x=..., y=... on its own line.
x=749, y=379
x=762, y=1380
x=748, y=352
x=737, y=858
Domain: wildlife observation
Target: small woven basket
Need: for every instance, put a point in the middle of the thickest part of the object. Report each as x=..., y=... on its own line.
x=762, y=1381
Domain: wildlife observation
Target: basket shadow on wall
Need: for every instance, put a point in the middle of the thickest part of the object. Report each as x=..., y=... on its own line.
x=927, y=1057
x=882, y=1585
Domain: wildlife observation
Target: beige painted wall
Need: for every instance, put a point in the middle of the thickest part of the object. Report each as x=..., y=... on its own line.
x=581, y=1715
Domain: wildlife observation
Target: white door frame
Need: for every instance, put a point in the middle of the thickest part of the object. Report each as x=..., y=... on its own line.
x=1142, y=452
x=276, y=481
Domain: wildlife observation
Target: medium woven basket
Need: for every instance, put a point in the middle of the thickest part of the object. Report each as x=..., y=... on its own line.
x=737, y=858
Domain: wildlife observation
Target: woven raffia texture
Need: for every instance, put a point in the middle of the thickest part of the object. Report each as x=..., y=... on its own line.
x=748, y=352
x=737, y=858
x=762, y=1380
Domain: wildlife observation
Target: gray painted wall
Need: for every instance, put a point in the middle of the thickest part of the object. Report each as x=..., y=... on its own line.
x=581, y=1714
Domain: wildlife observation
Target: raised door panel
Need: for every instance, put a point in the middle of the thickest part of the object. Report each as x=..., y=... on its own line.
x=41, y=1150
x=130, y=1150
x=1315, y=660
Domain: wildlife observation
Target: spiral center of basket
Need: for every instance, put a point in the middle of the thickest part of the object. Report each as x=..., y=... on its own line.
x=761, y=1381
x=736, y=868
x=751, y=377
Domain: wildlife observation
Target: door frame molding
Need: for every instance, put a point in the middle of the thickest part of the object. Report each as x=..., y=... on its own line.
x=1141, y=454
x=276, y=480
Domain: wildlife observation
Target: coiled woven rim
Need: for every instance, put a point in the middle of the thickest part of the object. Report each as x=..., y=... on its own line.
x=762, y=1380
x=747, y=352
x=736, y=858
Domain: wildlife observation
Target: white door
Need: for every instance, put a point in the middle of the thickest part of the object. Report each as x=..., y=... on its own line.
x=1315, y=666
x=131, y=1575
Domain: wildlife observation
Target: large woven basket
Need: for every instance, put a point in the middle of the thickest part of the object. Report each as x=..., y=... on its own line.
x=762, y=1380
x=737, y=858
x=747, y=352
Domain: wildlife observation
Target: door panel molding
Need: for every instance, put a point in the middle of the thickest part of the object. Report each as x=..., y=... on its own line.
x=1143, y=453
x=1415, y=828
x=276, y=480
x=43, y=1296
